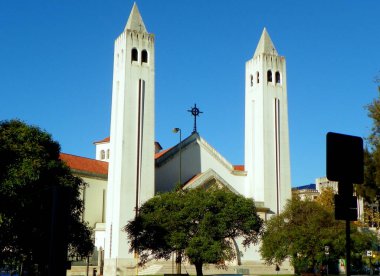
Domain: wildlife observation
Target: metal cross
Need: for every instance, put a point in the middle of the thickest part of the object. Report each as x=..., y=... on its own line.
x=195, y=112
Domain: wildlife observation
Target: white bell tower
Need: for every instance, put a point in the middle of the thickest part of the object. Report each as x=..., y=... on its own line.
x=131, y=163
x=267, y=159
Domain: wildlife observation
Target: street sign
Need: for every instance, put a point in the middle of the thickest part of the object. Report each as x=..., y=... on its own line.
x=344, y=158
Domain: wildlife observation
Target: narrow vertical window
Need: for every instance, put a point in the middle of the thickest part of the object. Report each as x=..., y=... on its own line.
x=144, y=56
x=257, y=77
x=108, y=154
x=269, y=76
x=134, y=54
x=251, y=80
x=102, y=155
x=278, y=77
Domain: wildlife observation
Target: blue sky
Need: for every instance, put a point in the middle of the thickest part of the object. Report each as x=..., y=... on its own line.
x=56, y=61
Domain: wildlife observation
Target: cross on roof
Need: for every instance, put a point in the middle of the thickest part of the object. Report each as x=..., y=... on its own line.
x=195, y=112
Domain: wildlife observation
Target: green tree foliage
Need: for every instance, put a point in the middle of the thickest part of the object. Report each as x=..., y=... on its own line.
x=301, y=233
x=30, y=169
x=370, y=190
x=326, y=198
x=202, y=224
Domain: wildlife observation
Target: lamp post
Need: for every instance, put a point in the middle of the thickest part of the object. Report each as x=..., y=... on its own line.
x=327, y=252
x=176, y=130
x=179, y=253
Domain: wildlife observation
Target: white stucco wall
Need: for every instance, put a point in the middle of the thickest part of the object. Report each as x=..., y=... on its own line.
x=99, y=147
x=94, y=197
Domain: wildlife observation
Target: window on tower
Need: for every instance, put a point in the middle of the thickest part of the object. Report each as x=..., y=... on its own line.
x=134, y=53
x=278, y=77
x=144, y=56
x=251, y=80
x=102, y=155
x=257, y=77
x=269, y=76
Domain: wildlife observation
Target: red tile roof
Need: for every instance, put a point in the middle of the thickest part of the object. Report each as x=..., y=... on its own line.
x=159, y=154
x=85, y=164
x=105, y=140
x=239, y=167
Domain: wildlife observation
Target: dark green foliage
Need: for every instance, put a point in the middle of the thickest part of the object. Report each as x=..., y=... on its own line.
x=29, y=168
x=301, y=233
x=199, y=223
x=370, y=190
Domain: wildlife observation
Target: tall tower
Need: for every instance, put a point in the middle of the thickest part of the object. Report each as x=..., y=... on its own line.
x=131, y=164
x=267, y=158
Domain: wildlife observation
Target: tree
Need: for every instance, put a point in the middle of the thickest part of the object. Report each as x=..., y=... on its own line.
x=370, y=190
x=37, y=193
x=200, y=223
x=326, y=198
x=301, y=233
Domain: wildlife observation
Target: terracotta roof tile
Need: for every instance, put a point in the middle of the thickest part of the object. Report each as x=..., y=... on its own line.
x=239, y=167
x=159, y=154
x=85, y=164
x=105, y=140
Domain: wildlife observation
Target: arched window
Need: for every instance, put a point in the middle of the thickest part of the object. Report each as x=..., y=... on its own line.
x=134, y=56
x=269, y=76
x=108, y=154
x=102, y=155
x=144, y=56
x=278, y=77
x=251, y=80
x=257, y=77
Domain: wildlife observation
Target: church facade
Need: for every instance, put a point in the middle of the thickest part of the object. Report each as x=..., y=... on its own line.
x=130, y=167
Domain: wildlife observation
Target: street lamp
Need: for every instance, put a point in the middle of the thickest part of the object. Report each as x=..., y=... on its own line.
x=179, y=253
x=176, y=130
x=327, y=252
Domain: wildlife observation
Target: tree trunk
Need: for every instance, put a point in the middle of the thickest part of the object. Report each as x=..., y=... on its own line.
x=178, y=261
x=198, y=268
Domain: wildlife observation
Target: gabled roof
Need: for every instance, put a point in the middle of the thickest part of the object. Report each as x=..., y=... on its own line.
x=135, y=22
x=85, y=165
x=206, y=178
x=210, y=178
x=167, y=154
x=265, y=45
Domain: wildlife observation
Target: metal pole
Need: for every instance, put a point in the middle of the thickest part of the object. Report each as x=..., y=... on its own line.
x=178, y=252
x=348, y=249
x=87, y=265
x=180, y=157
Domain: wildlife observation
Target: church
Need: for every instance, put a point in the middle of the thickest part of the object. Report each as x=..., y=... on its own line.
x=131, y=167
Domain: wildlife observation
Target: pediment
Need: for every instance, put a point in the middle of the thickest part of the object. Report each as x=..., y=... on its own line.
x=209, y=179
